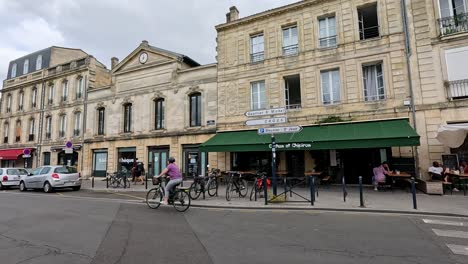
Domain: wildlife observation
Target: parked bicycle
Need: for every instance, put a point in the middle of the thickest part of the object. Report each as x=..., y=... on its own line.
x=202, y=184
x=118, y=179
x=179, y=197
x=259, y=187
x=236, y=185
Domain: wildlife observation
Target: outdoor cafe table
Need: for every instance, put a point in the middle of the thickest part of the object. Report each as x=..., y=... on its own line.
x=461, y=177
x=398, y=176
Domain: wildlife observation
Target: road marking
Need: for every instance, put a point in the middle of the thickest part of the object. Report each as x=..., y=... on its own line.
x=458, y=249
x=441, y=222
x=451, y=233
x=60, y=194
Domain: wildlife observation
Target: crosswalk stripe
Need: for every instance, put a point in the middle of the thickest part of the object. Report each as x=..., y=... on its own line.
x=450, y=233
x=458, y=249
x=441, y=222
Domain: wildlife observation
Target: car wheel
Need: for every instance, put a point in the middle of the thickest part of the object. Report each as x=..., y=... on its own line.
x=47, y=187
x=77, y=188
x=22, y=187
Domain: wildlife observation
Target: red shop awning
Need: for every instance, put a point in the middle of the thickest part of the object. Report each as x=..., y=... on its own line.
x=10, y=154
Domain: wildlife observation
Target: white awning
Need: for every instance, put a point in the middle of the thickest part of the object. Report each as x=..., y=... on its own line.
x=452, y=135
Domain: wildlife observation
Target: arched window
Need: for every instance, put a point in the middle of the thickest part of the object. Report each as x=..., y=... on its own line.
x=32, y=129
x=39, y=62
x=13, y=71
x=77, y=130
x=63, y=126
x=159, y=113
x=26, y=67
x=195, y=109
x=6, y=131
x=127, y=118
x=101, y=120
x=18, y=131
x=79, y=88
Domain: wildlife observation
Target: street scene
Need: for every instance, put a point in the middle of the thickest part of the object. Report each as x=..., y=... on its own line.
x=234, y=131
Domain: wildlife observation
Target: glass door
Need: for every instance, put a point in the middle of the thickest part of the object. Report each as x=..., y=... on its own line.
x=99, y=163
x=157, y=160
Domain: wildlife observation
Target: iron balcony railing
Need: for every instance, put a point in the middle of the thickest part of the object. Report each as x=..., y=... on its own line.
x=328, y=42
x=369, y=32
x=290, y=50
x=257, y=57
x=457, y=89
x=453, y=24
x=294, y=106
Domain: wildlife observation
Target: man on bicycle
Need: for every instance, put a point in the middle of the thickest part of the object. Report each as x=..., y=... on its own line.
x=175, y=177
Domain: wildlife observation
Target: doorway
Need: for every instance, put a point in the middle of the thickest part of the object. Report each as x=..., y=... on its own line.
x=157, y=158
x=295, y=163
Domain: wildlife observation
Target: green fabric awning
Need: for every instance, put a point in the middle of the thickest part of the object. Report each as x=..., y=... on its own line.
x=369, y=134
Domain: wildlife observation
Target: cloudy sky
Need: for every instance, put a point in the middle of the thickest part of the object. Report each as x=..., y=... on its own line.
x=107, y=28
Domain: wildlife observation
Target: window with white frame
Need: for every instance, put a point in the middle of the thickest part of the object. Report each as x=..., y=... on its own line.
x=32, y=128
x=368, y=22
x=13, y=71
x=77, y=130
x=101, y=120
x=64, y=91
x=8, y=110
x=453, y=16
x=159, y=113
x=195, y=109
x=257, y=48
x=26, y=66
x=258, y=95
x=292, y=91
x=330, y=83
x=457, y=75
x=48, y=127
x=79, y=88
x=127, y=118
x=63, y=126
x=6, y=131
x=451, y=8
x=34, y=98
x=327, y=32
x=51, y=94
x=374, y=87
x=290, y=41
x=20, y=101
x=38, y=62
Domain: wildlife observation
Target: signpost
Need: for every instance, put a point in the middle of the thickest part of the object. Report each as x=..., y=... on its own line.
x=272, y=131
x=68, y=147
x=26, y=153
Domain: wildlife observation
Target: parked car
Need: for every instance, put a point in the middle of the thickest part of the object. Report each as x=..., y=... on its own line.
x=50, y=178
x=9, y=177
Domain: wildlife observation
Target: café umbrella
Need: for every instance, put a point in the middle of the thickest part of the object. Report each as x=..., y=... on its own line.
x=452, y=135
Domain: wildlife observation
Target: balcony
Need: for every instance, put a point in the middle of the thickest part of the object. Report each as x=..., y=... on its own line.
x=290, y=50
x=454, y=24
x=457, y=89
x=31, y=137
x=293, y=106
x=257, y=57
x=369, y=32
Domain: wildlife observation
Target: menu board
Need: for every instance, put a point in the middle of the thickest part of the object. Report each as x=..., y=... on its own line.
x=450, y=161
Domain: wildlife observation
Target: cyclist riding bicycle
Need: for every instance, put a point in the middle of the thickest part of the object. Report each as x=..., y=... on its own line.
x=175, y=177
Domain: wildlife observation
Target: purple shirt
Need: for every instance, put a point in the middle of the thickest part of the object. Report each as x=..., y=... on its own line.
x=173, y=171
x=379, y=173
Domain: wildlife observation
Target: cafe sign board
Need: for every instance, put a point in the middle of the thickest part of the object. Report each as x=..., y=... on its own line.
x=272, y=111
x=291, y=146
x=279, y=130
x=267, y=121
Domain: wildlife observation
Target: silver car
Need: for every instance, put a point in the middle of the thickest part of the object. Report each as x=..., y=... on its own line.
x=49, y=178
x=10, y=177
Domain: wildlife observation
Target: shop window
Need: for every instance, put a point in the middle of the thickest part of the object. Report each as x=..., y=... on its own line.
x=374, y=88
x=292, y=91
x=257, y=48
x=159, y=114
x=368, y=22
x=46, y=157
x=330, y=83
x=258, y=95
x=290, y=41
x=100, y=163
x=195, y=110
x=327, y=28
x=67, y=159
x=126, y=158
x=127, y=118
x=101, y=120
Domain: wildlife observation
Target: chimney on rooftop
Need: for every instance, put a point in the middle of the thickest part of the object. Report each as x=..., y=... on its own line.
x=114, y=62
x=144, y=43
x=233, y=14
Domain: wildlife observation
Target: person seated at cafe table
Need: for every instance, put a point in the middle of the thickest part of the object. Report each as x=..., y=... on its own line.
x=380, y=173
x=437, y=172
x=464, y=167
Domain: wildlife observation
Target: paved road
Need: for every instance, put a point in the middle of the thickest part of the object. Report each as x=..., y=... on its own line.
x=55, y=228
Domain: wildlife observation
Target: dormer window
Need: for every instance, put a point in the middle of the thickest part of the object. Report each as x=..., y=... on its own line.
x=13, y=70
x=38, y=62
x=26, y=67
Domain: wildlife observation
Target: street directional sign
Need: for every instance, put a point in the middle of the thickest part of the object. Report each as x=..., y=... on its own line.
x=279, y=130
x=267, y=121
x=272, y=111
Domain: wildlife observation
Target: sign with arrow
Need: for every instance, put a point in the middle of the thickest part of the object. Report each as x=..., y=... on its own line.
x=279, y=130
x=267, y=121
x=272, y=111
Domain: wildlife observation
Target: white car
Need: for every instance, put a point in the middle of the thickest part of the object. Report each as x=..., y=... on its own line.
x=50, y=178
x=10, y=177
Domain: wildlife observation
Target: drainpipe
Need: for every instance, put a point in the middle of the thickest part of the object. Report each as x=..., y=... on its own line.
x=40, y=124
x=85, y=107
x=410, y=80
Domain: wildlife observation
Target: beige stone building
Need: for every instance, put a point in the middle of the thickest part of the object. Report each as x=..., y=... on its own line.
x=329, y=61
x=160, y=104
x=43, y=106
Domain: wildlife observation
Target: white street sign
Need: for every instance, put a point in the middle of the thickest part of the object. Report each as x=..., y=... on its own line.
x=272, y=111
x=279, y=130
x=267, y=121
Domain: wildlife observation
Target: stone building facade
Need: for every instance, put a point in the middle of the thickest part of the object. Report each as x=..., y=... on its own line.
x=43, y=104
x=159, y=104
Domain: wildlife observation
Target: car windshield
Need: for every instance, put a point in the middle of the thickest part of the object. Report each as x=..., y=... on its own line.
x=65, y=170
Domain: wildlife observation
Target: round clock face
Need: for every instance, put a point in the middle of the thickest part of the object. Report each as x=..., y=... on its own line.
x=143, y=57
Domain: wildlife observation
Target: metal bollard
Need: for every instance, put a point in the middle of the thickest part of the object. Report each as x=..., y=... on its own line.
x=265, y=191
x=413, y=190
x=285, y=188
x=92, y=182
x=107, y=182
x=125, y=181
x=146, y=181
x=361, y=196
x=255, y=188
x=345, y=193
x=312, y=190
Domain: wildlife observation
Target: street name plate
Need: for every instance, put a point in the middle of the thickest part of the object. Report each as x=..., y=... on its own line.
x=272, y=111
x=267, y=121
x=279, y=130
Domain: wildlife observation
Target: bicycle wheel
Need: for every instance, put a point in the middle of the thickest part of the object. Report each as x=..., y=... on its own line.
x=243, y=189
x=195, y=190
x=253, y=191
x=181, y=200
x=154, y=198
x=126, y=182
x=213, y=187
x=114, y=182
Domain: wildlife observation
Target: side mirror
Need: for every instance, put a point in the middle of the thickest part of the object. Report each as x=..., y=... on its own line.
x=29, y=174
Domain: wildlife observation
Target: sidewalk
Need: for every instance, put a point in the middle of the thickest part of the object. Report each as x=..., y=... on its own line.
x=329, y=198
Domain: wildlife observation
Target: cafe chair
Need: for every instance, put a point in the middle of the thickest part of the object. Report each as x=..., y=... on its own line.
x=447, y=185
